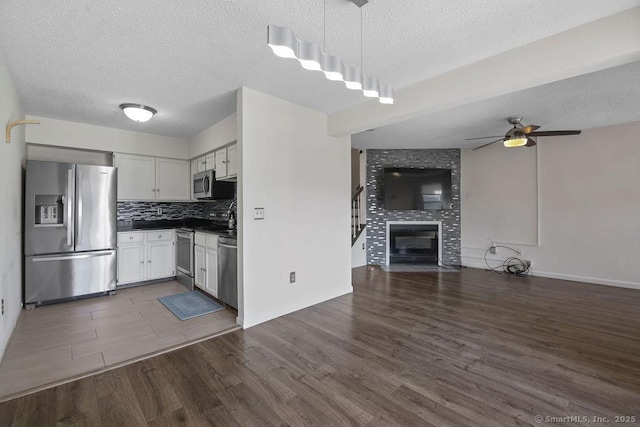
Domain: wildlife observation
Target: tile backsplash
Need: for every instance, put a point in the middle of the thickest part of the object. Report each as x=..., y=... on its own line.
x=148, y=211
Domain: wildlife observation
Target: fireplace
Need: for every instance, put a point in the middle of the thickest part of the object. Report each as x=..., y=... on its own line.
x=414, y=242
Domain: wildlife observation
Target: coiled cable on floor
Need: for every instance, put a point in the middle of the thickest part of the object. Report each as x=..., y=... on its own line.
x=512, y=265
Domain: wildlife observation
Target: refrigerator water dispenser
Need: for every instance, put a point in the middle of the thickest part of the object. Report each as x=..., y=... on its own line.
x=49, y=210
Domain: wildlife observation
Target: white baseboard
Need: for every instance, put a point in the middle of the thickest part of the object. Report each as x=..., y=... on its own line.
x=586, y=279
x=5, y=344
x=286, y=309
x=479, y=263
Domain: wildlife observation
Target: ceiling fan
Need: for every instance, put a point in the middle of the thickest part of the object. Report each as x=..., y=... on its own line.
x=520, y=135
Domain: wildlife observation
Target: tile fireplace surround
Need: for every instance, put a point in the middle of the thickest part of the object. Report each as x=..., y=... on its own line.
x=378, y=217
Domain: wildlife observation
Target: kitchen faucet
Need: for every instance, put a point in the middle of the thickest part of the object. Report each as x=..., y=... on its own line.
x=230, y=216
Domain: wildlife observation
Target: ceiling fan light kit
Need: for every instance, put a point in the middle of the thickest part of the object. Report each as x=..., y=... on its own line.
x=284, y=44
x=515, y=142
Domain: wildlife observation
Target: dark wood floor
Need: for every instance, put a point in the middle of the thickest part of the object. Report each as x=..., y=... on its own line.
x=469, y=348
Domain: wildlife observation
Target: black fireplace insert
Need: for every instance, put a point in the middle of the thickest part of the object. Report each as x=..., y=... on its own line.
x=413, y=244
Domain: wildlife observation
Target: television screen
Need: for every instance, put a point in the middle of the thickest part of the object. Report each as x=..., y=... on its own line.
x=417, y=189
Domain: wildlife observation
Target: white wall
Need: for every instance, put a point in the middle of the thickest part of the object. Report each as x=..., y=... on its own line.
x=99, y=138
x=301, y=177
x=49, y=153
x=579, y=220
x=12, y=159
x=358, y=251
x=218, y=135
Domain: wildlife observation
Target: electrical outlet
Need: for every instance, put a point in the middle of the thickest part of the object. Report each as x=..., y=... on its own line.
x=292, y=277
x=492, y=249
x=3, y=306
x=258, y=213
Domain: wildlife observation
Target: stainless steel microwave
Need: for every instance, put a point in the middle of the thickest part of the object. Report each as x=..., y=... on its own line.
x=202, y=184
x=206, y=187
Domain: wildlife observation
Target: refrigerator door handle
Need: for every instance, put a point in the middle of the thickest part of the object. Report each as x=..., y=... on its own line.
x=69, y=207
x=79, y=212
x=71, y=257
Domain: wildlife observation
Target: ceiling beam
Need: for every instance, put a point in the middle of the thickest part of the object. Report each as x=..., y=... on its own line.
x=598, y=45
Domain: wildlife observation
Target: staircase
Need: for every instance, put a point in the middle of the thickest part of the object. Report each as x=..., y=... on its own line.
x=356, y=226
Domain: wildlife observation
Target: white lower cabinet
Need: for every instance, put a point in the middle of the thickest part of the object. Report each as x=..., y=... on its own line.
x=211, y=284
x=161, y=260
x=146, y=255
x=206, y=263
x=131, y=263
x=199, y=264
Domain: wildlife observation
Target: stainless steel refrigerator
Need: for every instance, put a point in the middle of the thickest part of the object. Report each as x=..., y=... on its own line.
x=69, y=231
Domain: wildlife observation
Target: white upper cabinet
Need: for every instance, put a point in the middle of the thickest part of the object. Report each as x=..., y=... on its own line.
x=206, y=162
x=136, y=176
x=210, y=160
x=227, y=163
x=172, y=179
x=232, y=160
x=152, y=178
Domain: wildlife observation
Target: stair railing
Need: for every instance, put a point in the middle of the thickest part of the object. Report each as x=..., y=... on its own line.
x=356, y=227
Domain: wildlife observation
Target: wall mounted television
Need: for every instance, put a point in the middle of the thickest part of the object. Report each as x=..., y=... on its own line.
x=417, y=189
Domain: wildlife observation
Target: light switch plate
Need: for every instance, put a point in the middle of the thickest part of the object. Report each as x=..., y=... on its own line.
x=258, y=213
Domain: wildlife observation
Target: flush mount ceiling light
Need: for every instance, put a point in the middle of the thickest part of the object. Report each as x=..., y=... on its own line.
x=284, y=44
x=138, y=112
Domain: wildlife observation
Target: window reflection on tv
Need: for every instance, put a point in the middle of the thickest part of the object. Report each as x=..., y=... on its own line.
x=417, y=189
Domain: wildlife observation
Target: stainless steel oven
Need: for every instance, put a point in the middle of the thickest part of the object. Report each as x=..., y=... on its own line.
x=184, y=258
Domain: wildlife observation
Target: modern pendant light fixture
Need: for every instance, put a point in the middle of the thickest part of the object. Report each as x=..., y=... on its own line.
x=353, y=78
x=138, y=112
x=282, y=41
x=284, y=44
x=386, y=94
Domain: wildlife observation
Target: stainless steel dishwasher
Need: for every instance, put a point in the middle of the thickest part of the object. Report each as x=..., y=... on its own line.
x=228, y=271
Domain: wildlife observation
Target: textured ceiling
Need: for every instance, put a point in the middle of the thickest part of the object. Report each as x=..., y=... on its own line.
x=78, y=60
x=597, y=99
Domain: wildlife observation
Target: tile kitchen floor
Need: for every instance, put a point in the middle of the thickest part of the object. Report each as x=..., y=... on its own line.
x=54, y=344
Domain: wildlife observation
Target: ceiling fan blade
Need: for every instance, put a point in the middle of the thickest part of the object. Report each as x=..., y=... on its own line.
x=492, y=142
x=555, y=133
x=528, y=129
x=483, y=137
x=530, y=143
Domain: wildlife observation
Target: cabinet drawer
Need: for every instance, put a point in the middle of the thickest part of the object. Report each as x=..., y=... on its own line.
x=212, y=241
x=156, y=236
x=200, y=239
x=130, y=237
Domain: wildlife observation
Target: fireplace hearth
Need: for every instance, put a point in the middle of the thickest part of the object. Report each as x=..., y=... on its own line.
x=413, y=242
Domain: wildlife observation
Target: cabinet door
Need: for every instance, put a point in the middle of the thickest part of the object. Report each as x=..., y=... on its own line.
x=232, y=160
x=161, y=260
x=136, y=176
x=210, y=160
x=221, y=163
x=172, y=179
x=211, y=284
x=202, y=164
x=199, y=266
x=131, y=263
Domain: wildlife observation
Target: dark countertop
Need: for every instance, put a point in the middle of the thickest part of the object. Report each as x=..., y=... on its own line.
x=195, y=224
